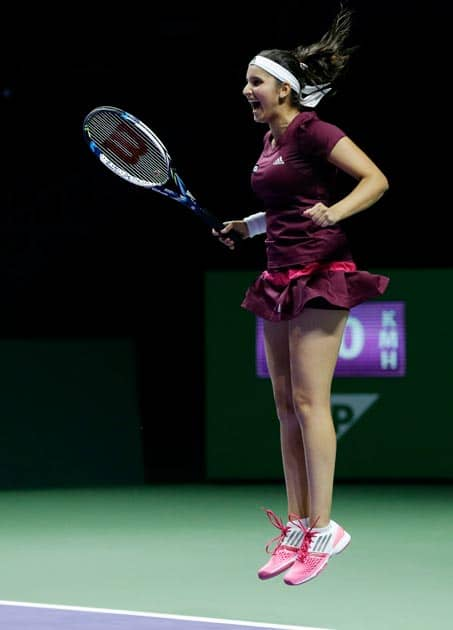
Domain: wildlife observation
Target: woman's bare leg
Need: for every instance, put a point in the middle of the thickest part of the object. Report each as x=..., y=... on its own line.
x=314, y=342
x=292, y=448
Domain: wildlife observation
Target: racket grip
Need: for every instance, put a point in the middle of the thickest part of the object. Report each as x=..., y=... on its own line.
x=232, y=234
x=214, y=222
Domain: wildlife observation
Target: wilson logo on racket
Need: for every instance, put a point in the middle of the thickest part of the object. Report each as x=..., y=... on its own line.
x=125, y=143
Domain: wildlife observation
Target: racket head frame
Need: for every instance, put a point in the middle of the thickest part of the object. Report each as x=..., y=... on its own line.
x=105, y=156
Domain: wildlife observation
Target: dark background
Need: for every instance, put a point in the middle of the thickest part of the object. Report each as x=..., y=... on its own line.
x=83, y=253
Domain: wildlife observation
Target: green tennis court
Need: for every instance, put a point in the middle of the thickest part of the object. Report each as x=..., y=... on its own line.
x=193, y=550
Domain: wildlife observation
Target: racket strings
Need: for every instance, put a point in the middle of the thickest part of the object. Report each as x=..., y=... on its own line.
x=129, y=147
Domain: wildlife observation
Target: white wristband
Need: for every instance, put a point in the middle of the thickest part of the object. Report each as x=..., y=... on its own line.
x=256, y=223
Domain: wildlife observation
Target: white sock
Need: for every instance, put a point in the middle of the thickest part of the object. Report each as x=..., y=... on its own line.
x=303, y=521
x=322, y=530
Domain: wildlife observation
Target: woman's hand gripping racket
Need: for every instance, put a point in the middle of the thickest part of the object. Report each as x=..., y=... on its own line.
x=132, y=151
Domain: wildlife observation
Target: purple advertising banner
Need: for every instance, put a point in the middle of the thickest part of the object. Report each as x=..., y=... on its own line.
x=373, y=345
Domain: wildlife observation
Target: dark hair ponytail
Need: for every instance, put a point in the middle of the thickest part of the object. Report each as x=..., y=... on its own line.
x=322, y=62
x=325, y=60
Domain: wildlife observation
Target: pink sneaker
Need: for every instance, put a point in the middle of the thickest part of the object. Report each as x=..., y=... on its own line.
x=314, y=554
x=287, y=542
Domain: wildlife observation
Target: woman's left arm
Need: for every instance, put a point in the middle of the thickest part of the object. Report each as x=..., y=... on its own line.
x=372, y=184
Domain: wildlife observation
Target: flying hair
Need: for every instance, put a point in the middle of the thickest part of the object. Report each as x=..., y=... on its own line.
x=325, y=60
x=316, y=67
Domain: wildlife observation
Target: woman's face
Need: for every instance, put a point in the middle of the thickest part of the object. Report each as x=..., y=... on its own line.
x=263, y=92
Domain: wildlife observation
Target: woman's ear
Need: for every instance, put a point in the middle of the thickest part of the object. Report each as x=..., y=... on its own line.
x=285, y=91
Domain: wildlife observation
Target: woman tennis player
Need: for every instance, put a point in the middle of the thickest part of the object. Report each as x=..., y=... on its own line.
x=311, y=280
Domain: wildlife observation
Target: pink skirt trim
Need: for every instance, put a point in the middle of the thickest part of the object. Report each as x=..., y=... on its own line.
x=282, y=278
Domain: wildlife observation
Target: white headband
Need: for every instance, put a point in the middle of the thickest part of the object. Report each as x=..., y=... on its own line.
x=277, y=71
x=309, y=96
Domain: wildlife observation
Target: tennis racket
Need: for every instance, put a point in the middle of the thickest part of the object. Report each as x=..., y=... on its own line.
x=129, y=148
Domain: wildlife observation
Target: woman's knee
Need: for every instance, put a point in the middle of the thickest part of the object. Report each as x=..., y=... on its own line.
x=286, y=413
x=307, y=409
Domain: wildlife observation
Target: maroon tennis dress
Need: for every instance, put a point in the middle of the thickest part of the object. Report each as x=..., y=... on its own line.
x=307, y=265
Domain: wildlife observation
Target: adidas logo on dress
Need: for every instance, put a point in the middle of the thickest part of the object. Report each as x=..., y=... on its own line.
x=278, y=160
